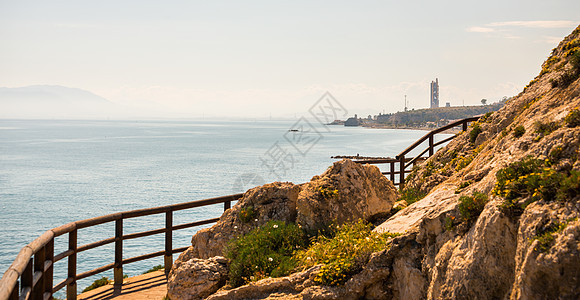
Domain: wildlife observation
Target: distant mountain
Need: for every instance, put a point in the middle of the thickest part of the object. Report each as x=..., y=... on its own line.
x=52, y=101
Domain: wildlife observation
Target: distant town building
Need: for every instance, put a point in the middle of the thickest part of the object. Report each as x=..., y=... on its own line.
x=435, y=93
x=447, y=104
x=352, y=121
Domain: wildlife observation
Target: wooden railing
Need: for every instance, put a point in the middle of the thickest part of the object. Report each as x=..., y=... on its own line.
x=401, y=163
x=31, y=274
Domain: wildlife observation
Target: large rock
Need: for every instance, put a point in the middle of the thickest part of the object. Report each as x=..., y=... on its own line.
x=347, y=191
x=555, y=273
x=273, y=201
x=198, y=278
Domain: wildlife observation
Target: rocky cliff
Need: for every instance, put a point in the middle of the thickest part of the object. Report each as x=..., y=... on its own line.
x=500, y=219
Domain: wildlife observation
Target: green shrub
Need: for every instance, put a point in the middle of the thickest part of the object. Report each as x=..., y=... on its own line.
x=519, y=131
x=509, y=180
x=463, y=161
x=450, y=223
x=471, y=206
x=247, y=214
x=343, y=254
x=556, y=153
x=545, y=236
x=546, y=128
x=474, y=133
x=573, y=118
x=155, y=268
x=569, y=187
x=485, y=117
x=97, y=283
x=533, y=180
x=412, y=195
x=265, y=251
x=462, y=186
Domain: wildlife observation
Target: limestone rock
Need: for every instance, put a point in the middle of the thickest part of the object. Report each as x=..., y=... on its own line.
x=555, y=273
x=199, y=278
x=273, y=201
x=347, y=191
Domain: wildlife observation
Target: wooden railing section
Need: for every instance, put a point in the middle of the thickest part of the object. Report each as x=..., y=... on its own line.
x=31, y=274
x=399, y=166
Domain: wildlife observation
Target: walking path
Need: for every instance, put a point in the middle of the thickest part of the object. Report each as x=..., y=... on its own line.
x=147, y=286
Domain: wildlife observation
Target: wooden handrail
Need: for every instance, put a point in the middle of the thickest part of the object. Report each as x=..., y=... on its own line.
x=35, y=262
x=404, y=162
x=438, y=130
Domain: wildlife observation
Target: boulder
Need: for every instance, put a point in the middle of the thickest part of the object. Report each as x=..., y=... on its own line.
x=198, y=278
x=346, y=192
x=273, y=201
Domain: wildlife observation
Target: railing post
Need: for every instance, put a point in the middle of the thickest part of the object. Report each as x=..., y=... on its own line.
x=26, y=278
x=118, y=269
x=48, y=276
x=401, y=172
x=168, y=258
x=71, y=288
x=392, y=169
x=431, y=145
x=227, y=205
x=464, y=125
x=39, y=259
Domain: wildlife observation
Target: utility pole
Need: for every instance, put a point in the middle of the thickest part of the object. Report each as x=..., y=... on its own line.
x=406, y=103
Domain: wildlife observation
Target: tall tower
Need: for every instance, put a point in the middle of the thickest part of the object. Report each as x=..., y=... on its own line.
x=435, y=93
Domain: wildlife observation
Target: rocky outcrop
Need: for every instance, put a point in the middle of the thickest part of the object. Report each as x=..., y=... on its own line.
x=199, y=278
x=555, y=273
x=347, y=191
x=273, y=201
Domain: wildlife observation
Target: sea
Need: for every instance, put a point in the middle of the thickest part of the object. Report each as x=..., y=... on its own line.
x=53, y=172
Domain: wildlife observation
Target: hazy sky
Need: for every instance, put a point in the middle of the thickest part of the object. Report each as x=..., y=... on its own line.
x=256, y=58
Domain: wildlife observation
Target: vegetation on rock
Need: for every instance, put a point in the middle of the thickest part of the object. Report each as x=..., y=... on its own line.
x=533, y=179
x=471, y=206
x=475, y=131
x=247, y=214
x=573, y=118
x=97, y=283
x=519, y=131
x=155, y=268
x=411, y=195
x=265, y=251
x=342, y=254
x=546, y=236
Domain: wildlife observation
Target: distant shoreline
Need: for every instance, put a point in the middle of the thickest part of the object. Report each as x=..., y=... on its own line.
x=381, y=126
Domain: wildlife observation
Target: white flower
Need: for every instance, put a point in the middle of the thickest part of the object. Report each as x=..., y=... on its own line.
x=255, y=220
x=308, y=258
x=235, y=227
x=275, y=226
x=270, y=259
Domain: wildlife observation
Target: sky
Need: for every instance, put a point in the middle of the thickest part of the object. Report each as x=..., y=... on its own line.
x=262, y=59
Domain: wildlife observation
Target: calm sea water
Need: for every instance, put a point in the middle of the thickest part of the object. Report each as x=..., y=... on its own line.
x=55, y=172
